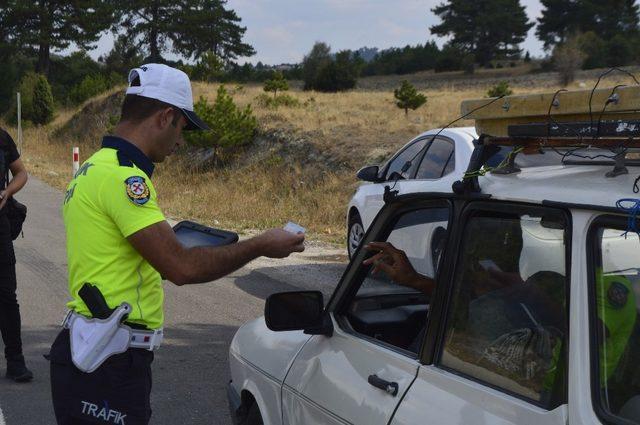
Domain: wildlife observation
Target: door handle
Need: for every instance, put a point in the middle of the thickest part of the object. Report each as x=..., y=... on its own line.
x=389, y=387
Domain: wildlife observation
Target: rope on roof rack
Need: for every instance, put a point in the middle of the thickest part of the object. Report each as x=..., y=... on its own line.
x=632, y=214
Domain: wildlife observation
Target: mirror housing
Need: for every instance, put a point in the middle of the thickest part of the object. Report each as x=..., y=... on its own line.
x=299, y=310
x=369, y=174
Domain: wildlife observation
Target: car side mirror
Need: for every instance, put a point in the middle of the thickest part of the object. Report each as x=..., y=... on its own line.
x=295, y=311
x=369, y=174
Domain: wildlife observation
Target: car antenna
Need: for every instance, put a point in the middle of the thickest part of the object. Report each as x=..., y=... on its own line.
x=389, y=193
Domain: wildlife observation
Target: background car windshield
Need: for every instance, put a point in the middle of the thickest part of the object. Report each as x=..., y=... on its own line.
x=508, y=325
x=616, y=280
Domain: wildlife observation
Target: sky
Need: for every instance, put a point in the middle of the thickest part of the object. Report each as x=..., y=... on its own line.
x=283, y=31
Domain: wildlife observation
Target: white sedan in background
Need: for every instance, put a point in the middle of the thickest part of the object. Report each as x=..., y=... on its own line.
x=425, y=164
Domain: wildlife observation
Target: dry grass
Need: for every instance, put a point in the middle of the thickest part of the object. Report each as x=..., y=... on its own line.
x=354, y=128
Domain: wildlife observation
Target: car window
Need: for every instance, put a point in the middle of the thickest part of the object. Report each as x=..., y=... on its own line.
x=438, y=161
x=507, y=326
x=616, y=286
x=389, y=310
x=408, y=154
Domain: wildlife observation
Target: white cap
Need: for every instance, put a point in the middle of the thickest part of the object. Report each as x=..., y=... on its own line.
x=169, y=85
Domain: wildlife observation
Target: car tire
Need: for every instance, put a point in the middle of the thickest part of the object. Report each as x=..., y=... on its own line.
x=253, y=416
x=355, y=234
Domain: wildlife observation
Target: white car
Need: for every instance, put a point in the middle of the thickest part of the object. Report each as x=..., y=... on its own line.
x=434, y=165
x=533, y=319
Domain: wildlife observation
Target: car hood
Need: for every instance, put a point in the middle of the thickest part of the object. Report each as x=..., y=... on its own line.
x=271, y=352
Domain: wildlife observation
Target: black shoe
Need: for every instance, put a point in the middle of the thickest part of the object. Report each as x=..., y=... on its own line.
x=18, y=371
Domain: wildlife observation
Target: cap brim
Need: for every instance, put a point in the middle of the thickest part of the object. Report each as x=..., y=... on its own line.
x=193, y=121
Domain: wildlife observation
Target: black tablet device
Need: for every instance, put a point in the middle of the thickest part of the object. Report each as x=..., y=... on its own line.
x=192, y=234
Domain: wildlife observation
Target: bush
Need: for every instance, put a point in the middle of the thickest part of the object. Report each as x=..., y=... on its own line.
x=43, y=106
x=36, y=100
x=230, y=126
x=500, y=89
x=285, y=100
x=408, y=97
x=90, y=86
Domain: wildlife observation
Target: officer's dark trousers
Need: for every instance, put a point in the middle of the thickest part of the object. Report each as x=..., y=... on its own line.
x=118, y=392
x=9, y=308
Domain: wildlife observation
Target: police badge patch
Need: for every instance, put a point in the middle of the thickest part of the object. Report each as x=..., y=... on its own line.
x=137, y=190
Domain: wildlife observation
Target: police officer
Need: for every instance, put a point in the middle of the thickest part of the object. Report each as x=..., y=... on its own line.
x=9, y=308
x=119, y=241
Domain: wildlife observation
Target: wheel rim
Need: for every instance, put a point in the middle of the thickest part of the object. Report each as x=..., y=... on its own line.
x=356, y=233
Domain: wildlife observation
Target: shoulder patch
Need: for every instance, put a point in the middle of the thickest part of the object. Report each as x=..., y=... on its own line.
x=137, y=190
x=618, y=294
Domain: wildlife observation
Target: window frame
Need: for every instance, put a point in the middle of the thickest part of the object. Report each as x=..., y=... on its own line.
x=497, y=207
x=385, y=169
x=351, y=287
x=452, y=156
x=602, y=221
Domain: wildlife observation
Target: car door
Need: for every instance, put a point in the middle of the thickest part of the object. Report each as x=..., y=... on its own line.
x=496, y=352
x=360, y=373
x=392, y=173
x=437, y=164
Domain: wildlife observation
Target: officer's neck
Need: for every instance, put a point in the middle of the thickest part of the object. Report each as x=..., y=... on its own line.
x=137, y=135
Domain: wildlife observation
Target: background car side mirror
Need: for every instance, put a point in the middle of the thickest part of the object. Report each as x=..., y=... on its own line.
x=295, y=311
x=369, y=174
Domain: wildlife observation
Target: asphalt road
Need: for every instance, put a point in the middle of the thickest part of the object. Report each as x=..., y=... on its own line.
x=190, y=371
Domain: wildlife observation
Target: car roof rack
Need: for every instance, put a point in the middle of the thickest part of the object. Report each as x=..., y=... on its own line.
x=606, y=119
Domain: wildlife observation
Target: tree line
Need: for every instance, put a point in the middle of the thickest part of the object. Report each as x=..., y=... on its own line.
x=208, y=37
x=145, y=31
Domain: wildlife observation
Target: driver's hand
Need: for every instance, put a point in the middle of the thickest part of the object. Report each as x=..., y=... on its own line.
x=393, y=262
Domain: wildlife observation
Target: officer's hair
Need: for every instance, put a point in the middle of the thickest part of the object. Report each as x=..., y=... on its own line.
x=138, y=108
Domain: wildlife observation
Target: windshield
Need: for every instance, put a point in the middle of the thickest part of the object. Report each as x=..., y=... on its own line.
x=616, y=304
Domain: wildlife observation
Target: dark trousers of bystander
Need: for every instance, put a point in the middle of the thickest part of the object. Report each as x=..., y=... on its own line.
x=9, y=308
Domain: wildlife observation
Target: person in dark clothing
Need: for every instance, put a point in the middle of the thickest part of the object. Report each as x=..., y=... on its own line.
x=9, y=308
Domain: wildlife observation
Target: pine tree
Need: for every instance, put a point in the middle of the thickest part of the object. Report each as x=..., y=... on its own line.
x=277, y=82
x=408, y=97
x=124, y=56
x=313, y=62
x=562, y=19
x=192, y=26
x=205, y=25
x=488, y=29
x=55, y=25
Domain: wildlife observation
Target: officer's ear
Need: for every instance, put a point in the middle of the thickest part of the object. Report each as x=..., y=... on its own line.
x=165, y=117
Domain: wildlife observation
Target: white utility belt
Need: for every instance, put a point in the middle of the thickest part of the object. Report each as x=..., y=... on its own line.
x=95, y=340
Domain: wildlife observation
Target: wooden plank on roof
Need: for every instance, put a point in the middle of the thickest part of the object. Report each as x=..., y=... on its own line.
x=570, y=106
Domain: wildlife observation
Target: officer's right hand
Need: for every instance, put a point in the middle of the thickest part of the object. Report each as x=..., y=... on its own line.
x=279, y=243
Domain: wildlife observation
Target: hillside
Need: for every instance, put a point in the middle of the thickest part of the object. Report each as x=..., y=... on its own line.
x=301, y=166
